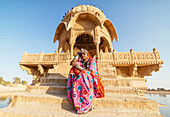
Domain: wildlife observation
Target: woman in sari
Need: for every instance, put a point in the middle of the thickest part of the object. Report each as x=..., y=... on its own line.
x=84, y=82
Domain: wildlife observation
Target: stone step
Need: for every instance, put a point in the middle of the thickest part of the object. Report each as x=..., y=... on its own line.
x=63, y=81
x=25, y=111
x=61, y=74
x=63, y=89
x=65, y=75
x=114, y=82
x=47, y=89
x=118, y=81
x=54, y=80
x=107, y=76
x=115, y=102
x=120, y=90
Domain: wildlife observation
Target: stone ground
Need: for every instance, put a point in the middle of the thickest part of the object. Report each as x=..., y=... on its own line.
x=53, y=105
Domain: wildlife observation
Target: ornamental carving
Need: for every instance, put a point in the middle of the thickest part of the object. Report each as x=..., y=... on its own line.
x=145, y=56
x=128, y=57
x=48, y=57
x=123, y=56
x=147, y=71
x=31, y=57
x=41, y=70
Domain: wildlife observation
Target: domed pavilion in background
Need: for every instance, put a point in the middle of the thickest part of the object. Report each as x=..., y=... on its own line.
x=122, y=73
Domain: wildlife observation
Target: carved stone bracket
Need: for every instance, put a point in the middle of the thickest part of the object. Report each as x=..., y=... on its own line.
x=147, y=71
x=114, y=71
x=24, y=68
x=32, y=71
x=41, y=70
x=133, y=70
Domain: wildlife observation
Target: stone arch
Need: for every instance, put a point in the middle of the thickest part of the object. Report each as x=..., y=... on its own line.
x=104, y=44
x=88, y=16
x=84, y=24
x=111, y=29
x=61, y=26
x=83, y=32
x=84, y=40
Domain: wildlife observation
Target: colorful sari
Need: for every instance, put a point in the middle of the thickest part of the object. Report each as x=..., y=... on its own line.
x=83, y=86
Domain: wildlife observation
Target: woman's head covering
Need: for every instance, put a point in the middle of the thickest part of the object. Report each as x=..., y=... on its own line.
x=84, y=50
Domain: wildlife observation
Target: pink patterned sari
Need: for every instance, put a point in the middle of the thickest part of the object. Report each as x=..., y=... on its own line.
x=83, y=86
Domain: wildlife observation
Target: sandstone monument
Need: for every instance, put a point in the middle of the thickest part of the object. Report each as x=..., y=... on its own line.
x=122, y=73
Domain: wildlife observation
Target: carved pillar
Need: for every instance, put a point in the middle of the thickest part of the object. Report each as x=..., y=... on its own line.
x=97, y=50
x=133, y=56
x=71, y=50
x=71, y=42
x=56, y=56
x=24, y=56
x=114, y=55
x=156, y=54
x=96, y=41
x=41, y=56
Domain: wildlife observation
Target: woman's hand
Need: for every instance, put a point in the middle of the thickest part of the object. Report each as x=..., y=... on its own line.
x=73, y=62
x=88, y=70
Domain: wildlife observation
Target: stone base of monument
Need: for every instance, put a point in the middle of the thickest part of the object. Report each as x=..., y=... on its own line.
x=50, y=100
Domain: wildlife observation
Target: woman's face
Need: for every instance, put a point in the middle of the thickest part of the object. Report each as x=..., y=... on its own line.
x=84, y=55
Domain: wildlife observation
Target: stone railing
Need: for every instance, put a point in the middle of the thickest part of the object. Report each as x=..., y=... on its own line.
x=130, y=56
x=51, y=57
x=115, y=57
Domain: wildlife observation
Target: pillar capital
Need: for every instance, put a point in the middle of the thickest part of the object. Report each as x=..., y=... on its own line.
x=96, y=43
x=131, y=50
x=72, y=43
x=25, y=52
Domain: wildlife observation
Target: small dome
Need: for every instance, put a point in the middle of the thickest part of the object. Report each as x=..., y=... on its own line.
x=83, y=9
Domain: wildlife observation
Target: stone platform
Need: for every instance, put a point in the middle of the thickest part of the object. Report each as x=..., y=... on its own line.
x=50, y=100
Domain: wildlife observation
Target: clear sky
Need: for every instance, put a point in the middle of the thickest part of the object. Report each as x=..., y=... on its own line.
x=30, y=26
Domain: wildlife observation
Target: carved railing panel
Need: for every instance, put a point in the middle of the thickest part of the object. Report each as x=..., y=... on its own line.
x=130, y=56
x=123, y=56
x=145, y=56
x=106, y=57
x=63, y=56
x=31, y=57
x=48, y=57
x=52, y=57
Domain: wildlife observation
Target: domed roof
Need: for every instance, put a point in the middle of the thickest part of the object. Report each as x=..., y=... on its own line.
x=87, y=11
x=84, y=9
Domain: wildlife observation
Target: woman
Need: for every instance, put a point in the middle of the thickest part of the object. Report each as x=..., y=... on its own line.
x=84, y=82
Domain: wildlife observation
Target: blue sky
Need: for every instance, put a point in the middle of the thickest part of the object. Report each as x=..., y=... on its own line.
x=30, y=26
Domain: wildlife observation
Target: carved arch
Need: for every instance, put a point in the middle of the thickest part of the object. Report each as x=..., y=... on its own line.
x=106, y=40
x=60, y=27
x=112, y=29
x=84, y=16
